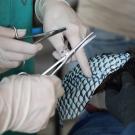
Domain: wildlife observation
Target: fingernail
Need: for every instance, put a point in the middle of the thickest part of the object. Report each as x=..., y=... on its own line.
x=21, y=32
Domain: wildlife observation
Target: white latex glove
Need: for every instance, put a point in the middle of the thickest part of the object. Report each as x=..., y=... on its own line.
x=28, y=102
x=55, y=14
x=13, y=52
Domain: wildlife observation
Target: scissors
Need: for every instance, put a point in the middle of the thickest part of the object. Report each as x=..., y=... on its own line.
x=42, y=35
x=56, y=67
x=68, y=55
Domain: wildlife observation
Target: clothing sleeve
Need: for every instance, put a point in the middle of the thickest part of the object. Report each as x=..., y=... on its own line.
x=130, y=129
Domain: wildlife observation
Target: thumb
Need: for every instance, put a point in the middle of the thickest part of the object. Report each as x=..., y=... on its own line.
x=10, y=33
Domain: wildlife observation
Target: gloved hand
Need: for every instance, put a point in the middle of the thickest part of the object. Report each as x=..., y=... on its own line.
x=121, y=103
x=55, y=14
x=27, y=102
x=13, y=52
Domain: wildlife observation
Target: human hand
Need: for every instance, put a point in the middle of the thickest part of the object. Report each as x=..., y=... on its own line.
x=55, y=14
x=12, y=51
x=27, y=102
x=121, y=103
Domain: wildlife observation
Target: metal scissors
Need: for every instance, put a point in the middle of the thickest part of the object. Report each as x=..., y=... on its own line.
x=55, y=67
x=42, y=35
x=68, y=55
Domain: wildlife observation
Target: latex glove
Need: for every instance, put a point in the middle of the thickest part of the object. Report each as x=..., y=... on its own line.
x=121, y=101
x=55, y=14
x=28, y=102
x=13, y=52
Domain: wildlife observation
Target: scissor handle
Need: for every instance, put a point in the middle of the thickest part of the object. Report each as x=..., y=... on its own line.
x=45, y=35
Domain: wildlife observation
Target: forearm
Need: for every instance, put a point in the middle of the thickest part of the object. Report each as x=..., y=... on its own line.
x=40, y=7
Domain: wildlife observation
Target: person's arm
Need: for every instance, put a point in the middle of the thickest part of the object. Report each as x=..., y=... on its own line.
x=55, y=14
x=27, y=102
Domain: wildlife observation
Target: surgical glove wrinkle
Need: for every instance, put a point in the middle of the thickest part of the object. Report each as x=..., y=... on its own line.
x=28, y=102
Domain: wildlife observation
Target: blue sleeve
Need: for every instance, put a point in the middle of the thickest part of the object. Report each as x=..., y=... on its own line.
x=130, y=129
x=97, y=123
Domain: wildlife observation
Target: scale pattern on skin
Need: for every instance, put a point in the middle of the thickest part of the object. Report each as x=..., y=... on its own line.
x=79, y=89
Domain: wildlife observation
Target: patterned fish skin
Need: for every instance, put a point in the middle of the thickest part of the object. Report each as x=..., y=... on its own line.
x=79, y=89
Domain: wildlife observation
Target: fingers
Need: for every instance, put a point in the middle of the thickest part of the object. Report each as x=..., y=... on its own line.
x=16, y=46
x=10, y=32
x=58, y=86
x=12, y=52
x=12, y=64
x=58, y=42
x=13, y=56
x=57, y=56
x=5, y=63
x=9, y=64
x=74, y=37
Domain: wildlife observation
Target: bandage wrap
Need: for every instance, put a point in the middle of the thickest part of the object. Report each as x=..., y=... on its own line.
x=79, y=89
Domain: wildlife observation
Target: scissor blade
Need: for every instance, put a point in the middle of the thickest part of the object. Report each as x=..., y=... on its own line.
x=86, y=42
x=46, y=35
x=53, y=66
x=59, y=67
x=64, y=59
x=55, y=32
x=82, y=44
x=50, y=34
